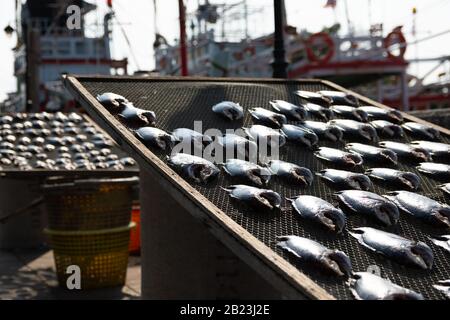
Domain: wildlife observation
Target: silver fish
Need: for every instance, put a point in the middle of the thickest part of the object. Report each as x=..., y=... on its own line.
x=259, y=198
x=319, y=111
x=111, y=100
x=408, y=180
x=421, y=207
x=290, y=110
x=300, y=135
x=267, y=117
x=344, y=180
x=75, y=117
x=136, y=116
x=340, y=98
x=436, y=149
x=291, y=172
x=442, y=241
x=387, y=129
x=350, y=113
x=266, y=134
x=154, y=137
x=339, y=157
x=251, y=172
x=367, y=286
x=409, y=152
x=310, y=251
x=370, y=204
x=323, y=130
x=371, y=153
x=436, y=170
x=6, y=119
x=233, y=143
x=420, y=130
x=191, y=137
x=5, y=161
x=388, y=114
x=395, y=247
x=319, y=211
x=444, y=287
x=355, y=129
x=230, y=110
x=314, y=97
x=195, y=168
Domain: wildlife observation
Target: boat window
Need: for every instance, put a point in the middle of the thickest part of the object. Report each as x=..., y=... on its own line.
x=64, y=47
x=80, y=47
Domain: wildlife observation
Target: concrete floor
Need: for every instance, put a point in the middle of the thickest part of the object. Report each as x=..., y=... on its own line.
x=27, y=275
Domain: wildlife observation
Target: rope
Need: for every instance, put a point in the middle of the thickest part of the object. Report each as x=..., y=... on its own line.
x=127, y=40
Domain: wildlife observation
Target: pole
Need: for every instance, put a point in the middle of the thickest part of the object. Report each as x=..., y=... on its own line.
x=347, y=15
x=404, y=91
x=32, y=75
x=183, y=49
x=279, y=64
x=247, y=36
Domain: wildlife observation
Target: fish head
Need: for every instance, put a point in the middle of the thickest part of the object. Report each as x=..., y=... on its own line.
x=389, y=156
x=150, y=116
x=333, y=219
x=353, y=159
x=361, y=115
x=200, y=173
x=337, y=262
x=299, y=114
x=369, y=133
x=259, y=176
x=351, y=100
x=442, y=215
x=112, y=100
x=421, y=154
x=360, y=182
x=432, y=133
x=308, y=138
x=420, y=255
x=387, y=212
x=269, y=199
x=326, y=114
x=232, y=113
x=395, y=116
x=333, y=133
x=302, y=176
x=279, y=119
x=410, y=180
x=398, y=131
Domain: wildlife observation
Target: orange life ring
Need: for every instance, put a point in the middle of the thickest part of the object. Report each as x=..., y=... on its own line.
x=323, y=38
x=392, y=38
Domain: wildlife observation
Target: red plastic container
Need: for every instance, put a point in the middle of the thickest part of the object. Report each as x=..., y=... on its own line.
x=135, y=235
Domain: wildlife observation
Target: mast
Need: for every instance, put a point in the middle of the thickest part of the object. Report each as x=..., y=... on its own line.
x=183, y=49
x=279, y=53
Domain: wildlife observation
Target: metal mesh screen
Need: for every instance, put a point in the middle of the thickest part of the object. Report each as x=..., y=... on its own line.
x=178, y=104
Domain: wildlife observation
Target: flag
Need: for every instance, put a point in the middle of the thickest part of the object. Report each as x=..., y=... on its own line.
x=330, y=4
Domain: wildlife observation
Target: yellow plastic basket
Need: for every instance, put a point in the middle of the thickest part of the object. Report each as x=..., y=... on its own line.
x=101, y=255
x=91, y=204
